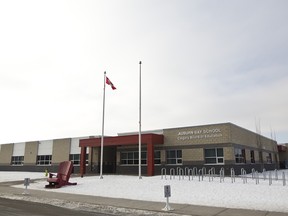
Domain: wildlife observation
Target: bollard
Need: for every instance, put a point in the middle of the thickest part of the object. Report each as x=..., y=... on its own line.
x=167, y=194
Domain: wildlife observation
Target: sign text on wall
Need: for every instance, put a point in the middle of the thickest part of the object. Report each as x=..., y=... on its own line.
x=199, y=134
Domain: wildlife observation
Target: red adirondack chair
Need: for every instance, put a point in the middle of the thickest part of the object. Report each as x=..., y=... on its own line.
x=62, y=177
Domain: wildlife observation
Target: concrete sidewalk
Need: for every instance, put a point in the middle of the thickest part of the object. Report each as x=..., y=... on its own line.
x=182, y=209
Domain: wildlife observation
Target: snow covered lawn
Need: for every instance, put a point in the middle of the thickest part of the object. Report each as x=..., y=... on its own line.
x=260, y=196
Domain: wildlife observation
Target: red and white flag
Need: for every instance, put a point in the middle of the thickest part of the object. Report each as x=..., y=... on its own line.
x=108, y=82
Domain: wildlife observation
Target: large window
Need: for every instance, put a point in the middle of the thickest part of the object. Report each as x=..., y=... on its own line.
x=239, y=155
x=157, y=157
x=75, y=158
x=132, y=158
x=214, y=156
x=252, y=156
x=269, y=158
x=44, y=159
x=17, y=160
x=174, y=157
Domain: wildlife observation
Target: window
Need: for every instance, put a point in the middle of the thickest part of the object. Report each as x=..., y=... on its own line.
x=252, y=156
x=157, y=157
x=269, y=158
x=239, y=155
x=44, y=159
x=132, y=158
x=75, y=158
x=174, y=157
x=214, y=156
x=17, y=160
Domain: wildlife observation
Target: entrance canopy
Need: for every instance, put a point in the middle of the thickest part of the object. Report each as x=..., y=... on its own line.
x=123, y=140
x=146, y=139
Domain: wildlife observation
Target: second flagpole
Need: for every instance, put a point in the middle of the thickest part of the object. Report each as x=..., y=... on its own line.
x=102, y=137
x=140, y=177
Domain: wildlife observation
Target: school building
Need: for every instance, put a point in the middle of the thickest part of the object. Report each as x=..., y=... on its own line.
x=216, y=145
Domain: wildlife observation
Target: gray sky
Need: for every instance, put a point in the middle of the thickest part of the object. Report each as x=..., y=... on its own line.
x=203, y=62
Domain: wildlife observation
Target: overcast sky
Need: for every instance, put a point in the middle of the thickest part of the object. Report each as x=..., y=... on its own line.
x=203, y=62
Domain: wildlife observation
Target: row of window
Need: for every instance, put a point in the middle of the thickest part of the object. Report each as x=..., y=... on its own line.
x=46, y=159
x=240, y=156
x=132, y=157
x=174, y=157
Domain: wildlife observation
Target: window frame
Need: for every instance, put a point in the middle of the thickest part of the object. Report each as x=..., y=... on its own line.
x=17, y=160
x=239, y=158
x=43, y=161
x=177, y=158
x=76, y=162
x=269, y=158
x=252, y=157
x=216, y=156
x=132, y=158
x=157, y=160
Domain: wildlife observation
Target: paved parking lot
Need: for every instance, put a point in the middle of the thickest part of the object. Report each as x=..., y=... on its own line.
x=25, y=208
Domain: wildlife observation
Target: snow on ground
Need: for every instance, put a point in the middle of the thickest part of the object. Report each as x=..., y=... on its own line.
x=254, y=196
x=17, y=176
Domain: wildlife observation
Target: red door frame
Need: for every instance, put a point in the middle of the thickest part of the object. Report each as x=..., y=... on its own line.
x=146, y=139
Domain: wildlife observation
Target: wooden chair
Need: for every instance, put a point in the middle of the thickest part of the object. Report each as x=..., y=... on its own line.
x=62, y=177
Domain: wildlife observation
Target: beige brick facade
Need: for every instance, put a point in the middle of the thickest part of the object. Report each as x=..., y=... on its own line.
x=31, y=151
x=229, y=153
x=61, y=150
x=163, y=156
x=252, y=140
x=227, y=136
x=192, y=143
x=6, y=153
x=195, y=154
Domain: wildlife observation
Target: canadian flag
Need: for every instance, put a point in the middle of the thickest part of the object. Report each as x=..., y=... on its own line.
x=108, y=82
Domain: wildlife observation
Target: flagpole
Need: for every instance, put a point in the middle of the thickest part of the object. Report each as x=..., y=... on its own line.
x=102, y=137
x=140, y=177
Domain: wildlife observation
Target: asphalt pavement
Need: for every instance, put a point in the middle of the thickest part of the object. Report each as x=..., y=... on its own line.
x=26, y=208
